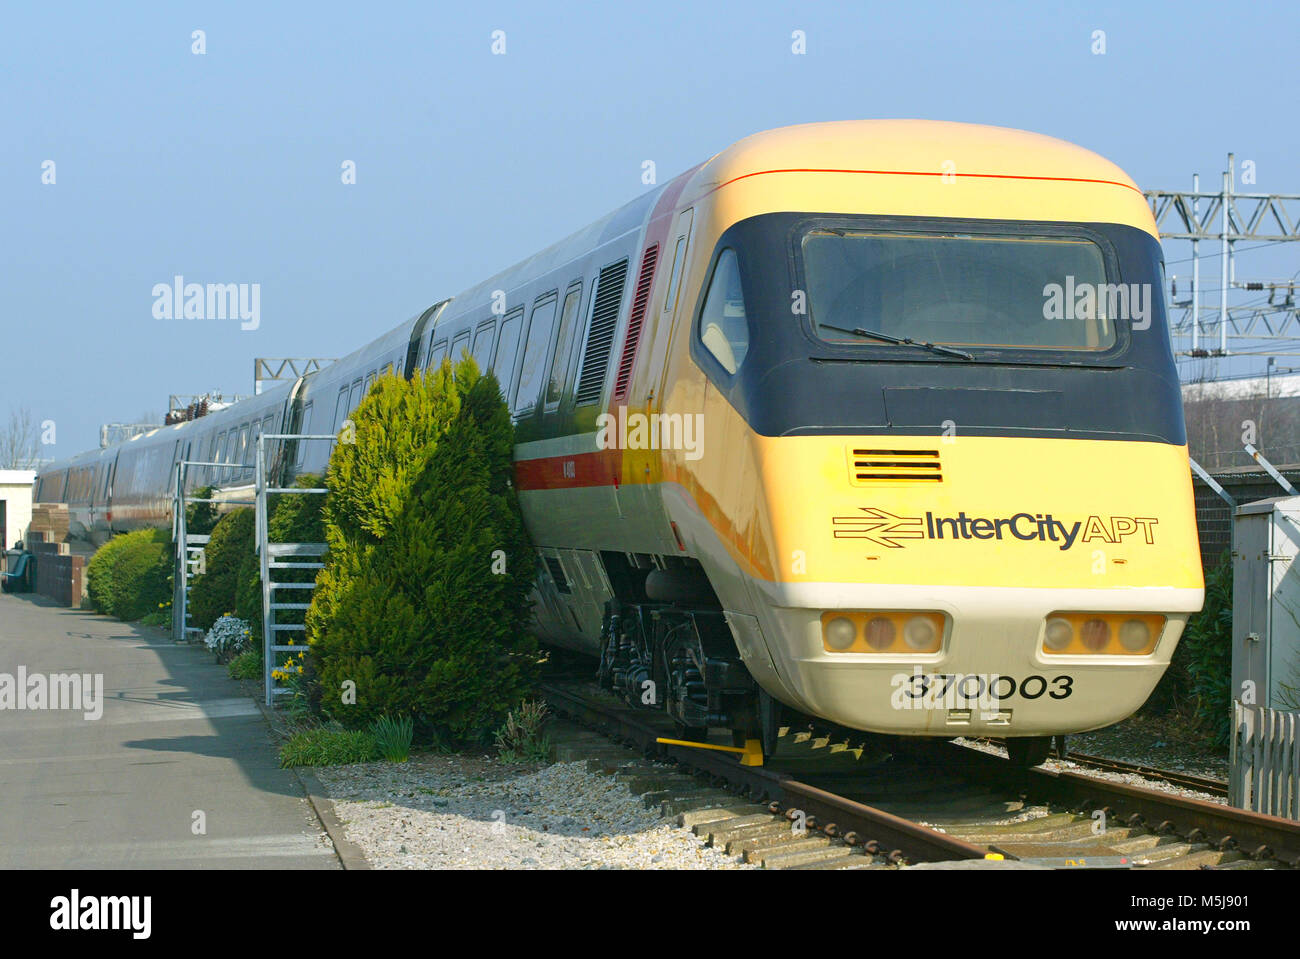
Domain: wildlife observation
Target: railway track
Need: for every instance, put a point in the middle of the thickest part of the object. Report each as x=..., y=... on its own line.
x=1202, y=784
x=826, y=801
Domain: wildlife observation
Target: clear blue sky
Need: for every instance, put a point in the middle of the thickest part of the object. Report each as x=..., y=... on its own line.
x=225, y=167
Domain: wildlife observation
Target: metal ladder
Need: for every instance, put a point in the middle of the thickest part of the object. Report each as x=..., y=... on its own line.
x=275, y=556
x=189, y=560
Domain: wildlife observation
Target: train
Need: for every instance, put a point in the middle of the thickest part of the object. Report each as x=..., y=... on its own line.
x=873, y=422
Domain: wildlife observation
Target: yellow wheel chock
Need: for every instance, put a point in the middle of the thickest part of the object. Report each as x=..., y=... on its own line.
x=751, y=754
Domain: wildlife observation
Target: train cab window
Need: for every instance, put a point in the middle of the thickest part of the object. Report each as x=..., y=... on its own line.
x=370, y=381
x=482, y=351
x=531, y=368
x=563, y=346
x=724, y=330
x=971, y=289
x=507, y=346
x=437, y=353
x=354, y=398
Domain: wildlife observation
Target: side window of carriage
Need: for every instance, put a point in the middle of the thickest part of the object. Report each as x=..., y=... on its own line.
x=723, y=328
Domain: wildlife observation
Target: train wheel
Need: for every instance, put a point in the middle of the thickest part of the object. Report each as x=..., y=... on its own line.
x=1026, y=751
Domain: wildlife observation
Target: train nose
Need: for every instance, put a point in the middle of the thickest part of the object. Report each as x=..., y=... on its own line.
x=983, y=667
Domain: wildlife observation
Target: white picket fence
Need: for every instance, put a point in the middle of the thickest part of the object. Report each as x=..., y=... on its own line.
x=1265, y=760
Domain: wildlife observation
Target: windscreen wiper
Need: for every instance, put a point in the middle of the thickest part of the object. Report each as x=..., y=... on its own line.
x=900, y=341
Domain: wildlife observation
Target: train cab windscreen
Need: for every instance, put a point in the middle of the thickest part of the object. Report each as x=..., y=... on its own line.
x=981, y=290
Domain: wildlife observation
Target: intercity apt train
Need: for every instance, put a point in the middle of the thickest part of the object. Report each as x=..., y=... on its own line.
x=873, y=422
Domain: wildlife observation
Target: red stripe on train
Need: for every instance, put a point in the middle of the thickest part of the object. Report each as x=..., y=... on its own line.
x=599, y=468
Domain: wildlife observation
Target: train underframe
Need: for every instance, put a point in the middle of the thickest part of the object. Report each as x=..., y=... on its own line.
x=665, y=644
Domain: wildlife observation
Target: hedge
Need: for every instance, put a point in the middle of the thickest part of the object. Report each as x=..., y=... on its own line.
x=213, y=592
x=130, y=576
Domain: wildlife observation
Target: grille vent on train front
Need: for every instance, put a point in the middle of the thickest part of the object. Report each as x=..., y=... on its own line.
x=600, y=336
x=875, y=467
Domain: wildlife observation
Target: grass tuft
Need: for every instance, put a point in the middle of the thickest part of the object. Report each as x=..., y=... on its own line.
x=327, y=746
x=393, y=737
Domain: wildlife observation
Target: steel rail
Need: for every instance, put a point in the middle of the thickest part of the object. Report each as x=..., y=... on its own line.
x=856, y=823
x=1257, y=835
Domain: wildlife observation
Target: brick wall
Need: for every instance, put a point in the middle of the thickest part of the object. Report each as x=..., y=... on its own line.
x=59, y=574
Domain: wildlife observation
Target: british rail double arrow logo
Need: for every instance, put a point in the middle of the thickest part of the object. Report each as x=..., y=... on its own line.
x=879, y=526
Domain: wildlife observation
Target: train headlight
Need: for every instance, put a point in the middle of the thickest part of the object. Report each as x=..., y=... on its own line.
x=895, y=632
x=1058, y=635
x=1095, y=635
x=1105, y=634
x=1135, y=635
x=840, y=633
x=880, y=633
x=919, y=634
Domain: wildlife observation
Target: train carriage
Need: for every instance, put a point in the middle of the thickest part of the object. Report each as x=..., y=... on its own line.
x=872, y=421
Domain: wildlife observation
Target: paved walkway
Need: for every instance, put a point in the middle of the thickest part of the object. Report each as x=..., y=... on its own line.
x=175, y=739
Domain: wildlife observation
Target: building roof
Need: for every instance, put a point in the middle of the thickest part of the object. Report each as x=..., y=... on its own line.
x=17, y=477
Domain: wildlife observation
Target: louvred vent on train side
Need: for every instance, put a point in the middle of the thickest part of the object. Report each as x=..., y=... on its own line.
x=872, y=467
x=637, y=320
x=600, y=337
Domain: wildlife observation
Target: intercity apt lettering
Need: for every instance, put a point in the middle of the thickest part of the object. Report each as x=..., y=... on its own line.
x=887, y=529
x=1042, y=527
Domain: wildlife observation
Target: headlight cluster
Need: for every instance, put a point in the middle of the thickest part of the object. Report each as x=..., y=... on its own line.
x=1105, y=634
x=882, y=632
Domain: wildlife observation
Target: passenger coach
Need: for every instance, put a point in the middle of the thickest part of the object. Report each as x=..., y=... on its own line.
x=871, y=421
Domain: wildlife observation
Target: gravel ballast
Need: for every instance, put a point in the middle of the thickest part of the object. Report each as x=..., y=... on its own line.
x=462, y=812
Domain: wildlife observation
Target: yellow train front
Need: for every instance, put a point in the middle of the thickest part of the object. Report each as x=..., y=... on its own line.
x=940, y=485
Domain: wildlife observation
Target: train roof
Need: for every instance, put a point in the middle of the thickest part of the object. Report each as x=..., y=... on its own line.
x=920, y=147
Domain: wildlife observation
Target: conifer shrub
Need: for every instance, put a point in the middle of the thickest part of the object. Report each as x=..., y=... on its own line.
x=130, y=576
x=213, y=593
x=423, y=603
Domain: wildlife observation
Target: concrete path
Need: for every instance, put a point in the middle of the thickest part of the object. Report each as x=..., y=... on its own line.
x=177, y=746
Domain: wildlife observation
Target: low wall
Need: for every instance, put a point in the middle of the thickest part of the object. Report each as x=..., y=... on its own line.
x=60, y=575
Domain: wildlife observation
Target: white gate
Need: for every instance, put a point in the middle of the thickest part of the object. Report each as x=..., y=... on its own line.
x=1265, y=760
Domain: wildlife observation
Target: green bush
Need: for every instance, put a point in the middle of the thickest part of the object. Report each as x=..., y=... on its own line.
x=1195, y=691
x=214, y=592
x=130, y=576
x=423, y=603
x=1206, y=651
x=201, y=518
x=247, y=665
x=325, y=746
